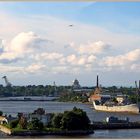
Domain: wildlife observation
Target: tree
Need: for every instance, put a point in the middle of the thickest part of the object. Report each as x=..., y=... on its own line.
x=23, y=122
x=14, y=123
x=40, y=111
x=76, y=119
x=56, y=120
x=35, y=124
x=1, y=113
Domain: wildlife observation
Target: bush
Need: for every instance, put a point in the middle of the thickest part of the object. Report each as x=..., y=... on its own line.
x=35, y=124
x=56, y=120
x=1, y=113
x=14, y=123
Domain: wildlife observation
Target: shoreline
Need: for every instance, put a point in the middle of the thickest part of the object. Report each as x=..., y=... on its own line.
x=59, y=133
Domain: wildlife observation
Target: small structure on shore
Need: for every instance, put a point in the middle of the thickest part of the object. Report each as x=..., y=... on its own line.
x=39, y=114
x=113, y=119
x=3, y=120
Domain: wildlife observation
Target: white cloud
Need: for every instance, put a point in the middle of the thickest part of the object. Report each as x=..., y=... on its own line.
x=34, y=68
x=93, y=48
x=11, y=69
x=80, y=60
x=21, y=45
x=26, y=42
x=122, y=60
x=49, y=56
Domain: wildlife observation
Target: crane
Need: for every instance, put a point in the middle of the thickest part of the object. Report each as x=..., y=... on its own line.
x=8, y=84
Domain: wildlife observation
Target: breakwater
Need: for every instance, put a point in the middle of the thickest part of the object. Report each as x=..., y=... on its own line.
x=103, y=125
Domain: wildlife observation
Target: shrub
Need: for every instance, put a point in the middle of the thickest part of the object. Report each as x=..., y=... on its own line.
x=14, y=123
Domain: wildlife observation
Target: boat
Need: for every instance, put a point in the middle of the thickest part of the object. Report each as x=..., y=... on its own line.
x=130, y=108
x=109, y=103
x=27, y=99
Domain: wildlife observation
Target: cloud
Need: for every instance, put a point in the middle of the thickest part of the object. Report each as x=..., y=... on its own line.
x=93, y=48
x=21, y=45
x=122, y=60
x=34, y=68
x=135, y=67
x=11, y=69
x=49, y=56
x=26, y=42
x=80, y=60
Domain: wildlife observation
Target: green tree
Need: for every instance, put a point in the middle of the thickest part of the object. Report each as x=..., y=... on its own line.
x=56, y=120
x=35, y=124
x=76, y=119
x=39, y=111
x=14, y=123
x=1, y=113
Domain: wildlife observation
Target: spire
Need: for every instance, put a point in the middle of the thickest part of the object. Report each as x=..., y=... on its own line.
x=97, y=82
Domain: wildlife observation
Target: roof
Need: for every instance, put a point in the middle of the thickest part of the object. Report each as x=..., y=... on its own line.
x=2, y=118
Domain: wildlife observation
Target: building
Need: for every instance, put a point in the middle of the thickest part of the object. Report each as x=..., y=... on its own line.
x=45, y=119
x=113, y=119
x=3, y=120
x=75, y=84
x=39, y=114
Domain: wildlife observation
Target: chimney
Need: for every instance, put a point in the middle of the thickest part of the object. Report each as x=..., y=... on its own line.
x=97, y=82
x=139, y=87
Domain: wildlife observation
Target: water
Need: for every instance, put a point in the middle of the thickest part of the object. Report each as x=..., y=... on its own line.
x=13, y=108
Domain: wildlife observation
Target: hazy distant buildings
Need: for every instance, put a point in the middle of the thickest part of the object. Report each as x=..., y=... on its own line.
x=75, y=84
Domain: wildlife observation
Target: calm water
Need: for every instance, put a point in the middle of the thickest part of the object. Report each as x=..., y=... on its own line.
x=21, y=106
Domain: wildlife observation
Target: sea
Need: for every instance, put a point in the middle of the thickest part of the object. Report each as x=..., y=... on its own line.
x=13, y=107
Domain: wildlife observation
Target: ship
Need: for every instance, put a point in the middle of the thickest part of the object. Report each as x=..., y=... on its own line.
x=130, y=108
x=112, y=103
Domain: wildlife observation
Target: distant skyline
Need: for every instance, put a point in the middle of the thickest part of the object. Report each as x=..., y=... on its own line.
x=38, y=45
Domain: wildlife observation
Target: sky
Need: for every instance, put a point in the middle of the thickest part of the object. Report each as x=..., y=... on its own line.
x=42, y=42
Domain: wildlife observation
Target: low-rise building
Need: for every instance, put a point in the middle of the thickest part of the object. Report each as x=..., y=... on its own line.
x=113, y=119
x=3, y=120
x=45, y=119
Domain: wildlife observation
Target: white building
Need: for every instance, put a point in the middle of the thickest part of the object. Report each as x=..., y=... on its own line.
x=45, y=118
x=3, y=120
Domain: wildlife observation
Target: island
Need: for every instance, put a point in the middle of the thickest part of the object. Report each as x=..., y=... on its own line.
x=73, y=122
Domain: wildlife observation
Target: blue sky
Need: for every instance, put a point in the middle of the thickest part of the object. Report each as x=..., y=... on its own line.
x=39, y=46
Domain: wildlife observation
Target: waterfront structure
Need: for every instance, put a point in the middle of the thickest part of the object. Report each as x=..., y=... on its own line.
x=115, y=103
x=113, y=119
x=97, y=92
x=3, y=120
x=39, y=114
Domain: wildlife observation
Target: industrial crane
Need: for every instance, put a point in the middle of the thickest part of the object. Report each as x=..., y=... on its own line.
x=8, y=84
